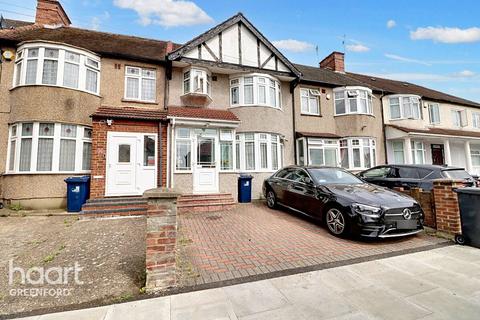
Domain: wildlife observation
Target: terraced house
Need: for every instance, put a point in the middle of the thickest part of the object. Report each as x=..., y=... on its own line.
x=137, y=113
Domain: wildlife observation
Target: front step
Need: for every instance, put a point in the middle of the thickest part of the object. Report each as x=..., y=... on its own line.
x=189, y=203
x=114, y=207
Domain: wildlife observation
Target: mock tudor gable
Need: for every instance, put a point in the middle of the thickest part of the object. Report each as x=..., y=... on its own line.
x=235, y=44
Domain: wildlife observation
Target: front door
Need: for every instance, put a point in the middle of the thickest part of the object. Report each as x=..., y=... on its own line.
x=131, y=163
x=205, y=173
x=438, y=154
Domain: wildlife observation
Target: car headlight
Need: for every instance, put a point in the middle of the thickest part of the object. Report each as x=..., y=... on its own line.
x=366, y=210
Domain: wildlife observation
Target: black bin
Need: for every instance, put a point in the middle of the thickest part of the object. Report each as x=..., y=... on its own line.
x=469, y=203
x=245, y=188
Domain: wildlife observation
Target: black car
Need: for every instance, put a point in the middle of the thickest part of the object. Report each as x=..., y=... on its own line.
x=344, y=202
x=419, y=176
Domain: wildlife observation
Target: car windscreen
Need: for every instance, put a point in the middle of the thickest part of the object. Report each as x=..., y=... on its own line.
x=457, y=174
x=333, y=176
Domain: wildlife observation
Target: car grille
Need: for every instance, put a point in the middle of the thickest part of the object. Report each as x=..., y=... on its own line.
x=397, y=214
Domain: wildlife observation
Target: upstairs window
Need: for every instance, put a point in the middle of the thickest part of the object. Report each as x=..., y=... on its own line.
x=140, y=84
x=459, y=118
x=434, y=113
x=57, y=65
x=353, y=100
x=196, y=81
x=255, y=90
x=310, y=101
x=476, y=120
x=405, y=107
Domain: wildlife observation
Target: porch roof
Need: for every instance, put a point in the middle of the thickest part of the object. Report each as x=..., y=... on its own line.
x=438, y=131
x=202, y=113
x=130, y=113
x=317, y=135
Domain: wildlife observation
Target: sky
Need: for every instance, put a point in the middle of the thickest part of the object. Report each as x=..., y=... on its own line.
x=431, y=43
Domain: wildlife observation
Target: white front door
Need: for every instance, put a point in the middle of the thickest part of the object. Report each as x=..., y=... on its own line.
x=131, y=163
x=205, y=171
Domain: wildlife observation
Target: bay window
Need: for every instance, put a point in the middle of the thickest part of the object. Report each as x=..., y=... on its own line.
x=255, y=90
x=196, y=81
x=57, y=65
x=140, y=84
x=310, y=101
x=258, y=152
x=405, y=107
x=37, y=147
x=353, y=100
x=358, y=153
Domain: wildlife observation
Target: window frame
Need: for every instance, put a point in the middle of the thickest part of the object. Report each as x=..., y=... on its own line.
x=414, y=147
x=273, y=99
x=259, y=138
x=323, y=145
x=204, y=81
x=476, y=120
x=401, y=102
x=361, y=146
x=140, y=77
x=345, y=91
x=431, y=113
x=309, y=94
x=21, y=61
x=79, y=139
x=462, y=118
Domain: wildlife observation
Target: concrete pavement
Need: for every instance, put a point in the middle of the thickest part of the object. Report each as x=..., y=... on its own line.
x=437, y=284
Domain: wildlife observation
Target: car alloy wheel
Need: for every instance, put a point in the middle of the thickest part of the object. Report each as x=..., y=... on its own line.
x=335, y=221
x=271, y=201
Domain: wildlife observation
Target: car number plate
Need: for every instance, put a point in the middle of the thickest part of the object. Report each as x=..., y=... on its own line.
x=407, y=224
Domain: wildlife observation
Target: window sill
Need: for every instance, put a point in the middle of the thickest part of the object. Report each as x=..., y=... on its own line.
x=54, y=86
x=254, y=106
x=311, y=115
x=355, y=114
x=399, y=119
x=138, y=101
x=47, y=173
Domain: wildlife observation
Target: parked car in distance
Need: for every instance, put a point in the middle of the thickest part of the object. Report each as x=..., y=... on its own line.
x=347, y=205
x=417, y=176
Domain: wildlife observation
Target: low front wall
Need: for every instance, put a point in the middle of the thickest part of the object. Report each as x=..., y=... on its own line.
x=35, y=191
x=228, y=183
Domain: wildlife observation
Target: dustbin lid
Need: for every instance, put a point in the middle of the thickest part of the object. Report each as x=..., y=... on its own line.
x=475, y=191
x=245, y=176
x=77, y=179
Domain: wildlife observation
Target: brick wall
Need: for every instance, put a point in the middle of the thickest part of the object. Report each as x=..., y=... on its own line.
x=161, y=239
x=426, y=201
x=99, y=149
x=51, y=12
x=447, y=211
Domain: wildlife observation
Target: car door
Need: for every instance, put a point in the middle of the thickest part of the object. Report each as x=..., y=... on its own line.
x=405, y=177
x=280, y=183
x=296, y=189
x=305, y=193
x=377, y=175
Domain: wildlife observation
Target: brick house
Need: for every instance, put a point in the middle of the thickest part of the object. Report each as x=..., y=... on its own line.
x=194, y=116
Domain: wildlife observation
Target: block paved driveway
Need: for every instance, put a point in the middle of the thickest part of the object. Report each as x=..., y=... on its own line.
x=253, y=242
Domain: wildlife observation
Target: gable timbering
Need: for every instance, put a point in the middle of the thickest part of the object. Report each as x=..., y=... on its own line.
x=235, y=44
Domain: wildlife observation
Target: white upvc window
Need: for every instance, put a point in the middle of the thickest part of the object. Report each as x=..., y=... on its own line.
x=226, y=150
x=323, y=152
x=418, y=152
x=358, y=153
x=353, y=100
x=140, y=84
x=255, y=90
x=475, y=154
x=434, y=113
x=258, y=152
x=197, y=80
x=459, y=118
x=45, y=147
x=398, y=152
x=310, y=101
x=476, y=120
x=57, y=65
x=405, y=107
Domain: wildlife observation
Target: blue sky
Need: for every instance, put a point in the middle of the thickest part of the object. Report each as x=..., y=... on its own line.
x=432, y=43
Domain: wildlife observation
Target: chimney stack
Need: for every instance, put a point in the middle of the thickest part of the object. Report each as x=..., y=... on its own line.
x=334, y=61
x=50, y=12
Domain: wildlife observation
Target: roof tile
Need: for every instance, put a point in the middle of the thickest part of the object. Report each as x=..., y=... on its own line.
x=439, y=131
x=201, y=113
x=130, y=113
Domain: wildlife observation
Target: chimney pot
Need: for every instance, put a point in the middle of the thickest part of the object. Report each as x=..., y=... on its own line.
x=334, y=61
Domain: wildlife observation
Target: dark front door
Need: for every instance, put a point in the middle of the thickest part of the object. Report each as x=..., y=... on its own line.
x=437, y=154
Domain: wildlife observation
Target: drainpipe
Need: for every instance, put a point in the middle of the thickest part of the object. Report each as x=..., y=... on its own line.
x=293, y=85
x=383, y=127
x=160, y=155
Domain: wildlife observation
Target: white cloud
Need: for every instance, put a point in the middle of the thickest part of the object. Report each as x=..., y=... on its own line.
x=167, y=13
x=464, y=74
x=446, y=35
x=97, y=21
x=293, y=45
x=391, y=24
x=357, y=47
x=405, y=59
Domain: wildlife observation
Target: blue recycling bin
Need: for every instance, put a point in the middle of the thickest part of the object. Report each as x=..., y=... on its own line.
x=78, y=190
x=245, y=188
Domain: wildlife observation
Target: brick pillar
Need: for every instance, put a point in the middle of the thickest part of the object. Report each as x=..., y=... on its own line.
x=161, y=238
x=447, y=211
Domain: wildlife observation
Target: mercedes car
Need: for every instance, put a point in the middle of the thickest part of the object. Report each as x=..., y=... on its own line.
x=346, y=204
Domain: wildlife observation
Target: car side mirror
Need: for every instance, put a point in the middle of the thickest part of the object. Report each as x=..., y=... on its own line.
x=307, y=180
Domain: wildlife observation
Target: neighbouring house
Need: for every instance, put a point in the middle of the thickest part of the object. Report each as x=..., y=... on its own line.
x=136, y=113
